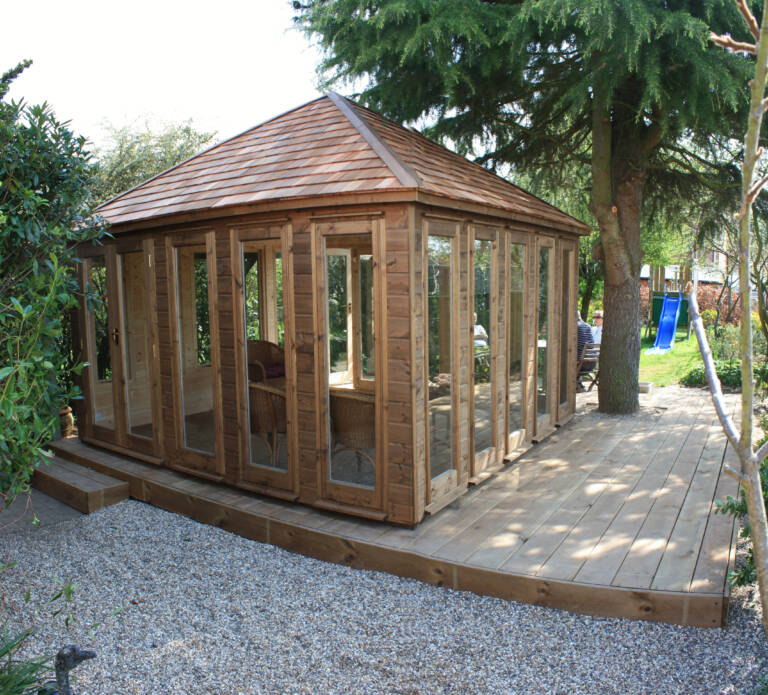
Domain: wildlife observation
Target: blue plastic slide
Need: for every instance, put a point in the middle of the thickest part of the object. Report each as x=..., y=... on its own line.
x=665, y=336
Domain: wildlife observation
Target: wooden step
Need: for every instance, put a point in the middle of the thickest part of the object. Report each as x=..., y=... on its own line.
x=82, y=488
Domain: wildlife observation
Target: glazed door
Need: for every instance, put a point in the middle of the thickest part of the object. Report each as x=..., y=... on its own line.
x=545, y=401
x=517, y=315
x=442, y=344
x=267, y=444
x=566, y=376
x=121, y=349
x=105, y=419
x=350, y=441
x=195, y=354
x=137, y=347
x=483, y=344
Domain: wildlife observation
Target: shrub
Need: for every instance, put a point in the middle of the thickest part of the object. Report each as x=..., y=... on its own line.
x=726, y=344
x=729, y=374
x=708, y=316
x=45, y=211
x=747, y=574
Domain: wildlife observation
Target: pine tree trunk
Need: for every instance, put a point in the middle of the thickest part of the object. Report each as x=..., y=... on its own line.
x=620, y=348
x=617, y=190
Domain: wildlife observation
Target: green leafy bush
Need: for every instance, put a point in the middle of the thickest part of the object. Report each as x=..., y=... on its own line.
x=726, y=343
x=747, y=574
x=45, y=211
x=708, y=317
x=729, y=374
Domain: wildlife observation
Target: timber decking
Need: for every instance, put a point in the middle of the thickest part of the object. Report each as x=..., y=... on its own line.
x=80, y=487
x=611, y=516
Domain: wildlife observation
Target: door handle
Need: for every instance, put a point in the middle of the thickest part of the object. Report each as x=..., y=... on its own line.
x=115, y=335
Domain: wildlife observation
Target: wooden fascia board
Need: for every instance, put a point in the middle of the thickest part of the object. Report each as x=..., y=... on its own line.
x=399, y=195
x=495, y=212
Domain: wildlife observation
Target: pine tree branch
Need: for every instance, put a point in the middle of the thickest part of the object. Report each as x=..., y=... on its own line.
x=728, y=43
x=749, y=18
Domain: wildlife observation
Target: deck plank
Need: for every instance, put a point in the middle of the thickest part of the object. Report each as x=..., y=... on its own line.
x=658, y=455
x=712, y=563
x=642, y=560
x=548, y=537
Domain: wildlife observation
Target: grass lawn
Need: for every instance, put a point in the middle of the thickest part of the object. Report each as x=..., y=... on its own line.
x=665, y=370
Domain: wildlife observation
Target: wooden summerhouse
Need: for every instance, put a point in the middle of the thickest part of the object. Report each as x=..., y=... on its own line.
x=330, y=309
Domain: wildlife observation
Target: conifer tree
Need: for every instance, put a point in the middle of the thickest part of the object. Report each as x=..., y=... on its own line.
x=630, y=88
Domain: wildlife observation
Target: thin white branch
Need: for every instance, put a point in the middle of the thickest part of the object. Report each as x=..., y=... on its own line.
x=749, y=18
x=725, y=41
x=743, y=480
x=746, y=204
x=709, y=369
x=762, y=453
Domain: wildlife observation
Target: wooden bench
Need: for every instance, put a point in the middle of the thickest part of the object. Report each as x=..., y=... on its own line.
x=589, y=367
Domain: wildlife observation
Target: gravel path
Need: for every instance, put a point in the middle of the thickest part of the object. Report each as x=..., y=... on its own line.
x=206, y=611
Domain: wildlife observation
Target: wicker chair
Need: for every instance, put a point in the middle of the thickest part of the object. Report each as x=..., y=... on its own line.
x=263, y=358
x=268, y=419
x=353, y=426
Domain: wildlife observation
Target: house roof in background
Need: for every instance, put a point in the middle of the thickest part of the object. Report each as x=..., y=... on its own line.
x=329, y=146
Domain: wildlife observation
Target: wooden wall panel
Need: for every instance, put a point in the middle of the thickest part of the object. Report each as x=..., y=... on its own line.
x=466, y=359
x=418, y=364
x=500, y=359
x=398, y=405
x=165, y=348
x=304, y=326
x=228, y=363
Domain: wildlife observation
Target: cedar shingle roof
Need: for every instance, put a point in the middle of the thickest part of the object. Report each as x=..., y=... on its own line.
x=327, y=147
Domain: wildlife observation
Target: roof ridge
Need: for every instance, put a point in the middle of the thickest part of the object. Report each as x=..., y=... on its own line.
x=465, y=160
x=404, y=174
x=206, y=150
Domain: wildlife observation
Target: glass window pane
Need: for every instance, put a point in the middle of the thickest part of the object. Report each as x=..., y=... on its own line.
x=195, y=349
x=136, y=344
x=542, y=397
x=338, y=274
x=252, y=295
x=267, y=421
x=102, y=384
x=352, y=412
x=481, y=338
x=201, y=309
x=279, y=299
x=440, y=353
x=565, y=323
x=367, y=370
x=516, y=326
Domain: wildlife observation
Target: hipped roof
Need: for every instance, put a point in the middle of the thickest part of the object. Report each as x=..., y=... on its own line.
x=328, y=147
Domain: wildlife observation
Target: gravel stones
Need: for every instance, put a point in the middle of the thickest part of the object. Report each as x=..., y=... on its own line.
x=206, y=611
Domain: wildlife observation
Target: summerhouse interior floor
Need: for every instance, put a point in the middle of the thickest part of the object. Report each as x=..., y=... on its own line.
x=610, y=516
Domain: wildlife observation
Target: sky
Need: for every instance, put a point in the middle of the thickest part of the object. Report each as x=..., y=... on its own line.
x=227, y=65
